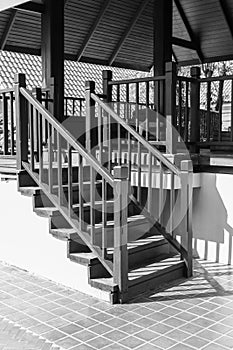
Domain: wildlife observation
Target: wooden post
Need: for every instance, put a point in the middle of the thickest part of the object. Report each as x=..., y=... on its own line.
x=107, y=89
x=21, y=111
x=5, y=123
x=186, y=208
x=52, y=52
x=120, y=267
x=163, y=18
x=195, y=110
x=90, y=114
x=170, y=113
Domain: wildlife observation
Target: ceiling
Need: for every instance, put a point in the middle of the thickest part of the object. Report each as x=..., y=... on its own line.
x=120, y=33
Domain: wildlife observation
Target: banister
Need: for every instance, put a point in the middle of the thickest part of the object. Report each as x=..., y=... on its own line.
x=136, y=80
x=137, y=136
x=68, y=136
x=221, y=78
x=5, y=91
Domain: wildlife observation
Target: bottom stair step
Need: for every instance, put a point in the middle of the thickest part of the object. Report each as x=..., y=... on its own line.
x=148, y=276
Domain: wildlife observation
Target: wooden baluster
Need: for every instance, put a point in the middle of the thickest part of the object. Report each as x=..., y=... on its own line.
x=180, y=108
x=50, y=159
x=5, y=124
x=232, y=110
x=147, y=110
x=149, y=205
x=118, y=99
x=186, y=212
x=40, y=135
x=119, y=129
x=104, y=220
x=90, y=113
x=73, y=107
x=70, y=180
x=120, y=261
x=172, y=205
x=129, y=154
x=208, y=121
x=92, y=202
x=21, y=113
x=66, y=106
x=127, y=103
x=161, y=193
x=31, y=128
x=59, y=169
x=80, y=190
x=221, y=88
x=100, y=135
x=186, y=111
x=139, y=159
x=195, y=109
x=109, y=142
x=137, y=108
x=12, y=123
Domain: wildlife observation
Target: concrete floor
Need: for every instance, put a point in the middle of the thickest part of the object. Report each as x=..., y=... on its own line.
x=189, y=314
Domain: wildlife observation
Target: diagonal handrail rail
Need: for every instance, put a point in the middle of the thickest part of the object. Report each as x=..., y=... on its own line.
x=156, y=153
x=68, y=136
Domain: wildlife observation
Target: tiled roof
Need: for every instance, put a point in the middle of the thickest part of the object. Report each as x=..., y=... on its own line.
x=75, y=73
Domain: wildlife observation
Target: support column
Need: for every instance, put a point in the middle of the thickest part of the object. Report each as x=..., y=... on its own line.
x=52, y=52
x=163, y=23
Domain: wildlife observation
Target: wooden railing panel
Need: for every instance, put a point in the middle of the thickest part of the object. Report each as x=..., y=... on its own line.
x=7, y=123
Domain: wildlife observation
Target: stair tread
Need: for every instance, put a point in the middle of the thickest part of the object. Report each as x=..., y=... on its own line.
x=160, y=263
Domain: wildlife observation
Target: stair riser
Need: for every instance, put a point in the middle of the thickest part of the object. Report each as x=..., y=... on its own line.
x=155, y=282
x=86, y=175
x=40, y=200
x=85, y=193
x=149, y=252
x=75, y=247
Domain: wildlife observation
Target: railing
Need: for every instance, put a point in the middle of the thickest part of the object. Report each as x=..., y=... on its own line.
x=204, y=110
x=140, y=102
x=218, y=127
x=118, y=145
x=7, y=123
x=73, y=106
x=75, y=183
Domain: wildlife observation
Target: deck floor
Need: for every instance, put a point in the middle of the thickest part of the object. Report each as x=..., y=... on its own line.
x=188, y=314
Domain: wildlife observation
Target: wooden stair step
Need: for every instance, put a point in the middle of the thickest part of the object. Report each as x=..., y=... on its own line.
x=149, y=276
x=45, y=212
x=64, y=233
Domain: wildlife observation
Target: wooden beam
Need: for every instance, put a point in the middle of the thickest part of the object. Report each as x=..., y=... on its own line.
x=189, y=30
x=226, y=14
x=7, y=30
x=163, y=27
x=52, y=52
x=128, y=31
x=93, y=28
x=183, y=43
x=31, y=7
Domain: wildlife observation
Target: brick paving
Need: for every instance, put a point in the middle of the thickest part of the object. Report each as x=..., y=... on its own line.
x=188, y=314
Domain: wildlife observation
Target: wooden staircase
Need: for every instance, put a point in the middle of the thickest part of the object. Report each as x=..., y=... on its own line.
x=97, y=204
x=151, y=260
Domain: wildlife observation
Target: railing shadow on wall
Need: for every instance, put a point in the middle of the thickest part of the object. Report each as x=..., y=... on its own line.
x=211, y=216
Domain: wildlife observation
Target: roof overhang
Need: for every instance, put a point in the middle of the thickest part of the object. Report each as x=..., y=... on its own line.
x=120, y=33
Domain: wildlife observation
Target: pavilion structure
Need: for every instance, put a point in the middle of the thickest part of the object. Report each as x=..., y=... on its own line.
x=117, y=184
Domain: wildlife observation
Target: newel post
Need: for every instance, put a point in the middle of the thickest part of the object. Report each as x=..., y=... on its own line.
x=90, y=113
x=195, y=110
x=186, y=207
x=120, y=266
x=21, y=111
x=170, y=107
x=107, y=89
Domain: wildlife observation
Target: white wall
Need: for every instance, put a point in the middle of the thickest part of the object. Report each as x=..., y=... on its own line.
x=213, y=217
x=26, y=243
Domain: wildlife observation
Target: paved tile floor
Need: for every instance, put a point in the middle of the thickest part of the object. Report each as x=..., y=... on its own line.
x=188, y=314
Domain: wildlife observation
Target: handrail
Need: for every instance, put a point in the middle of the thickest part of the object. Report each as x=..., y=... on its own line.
x=137, y=136
x=136, y=80
x=187, y=79
x=68, y=136
x=220, y=78
x=4, y=91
